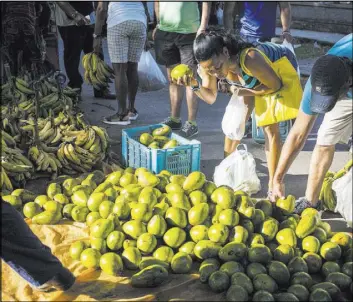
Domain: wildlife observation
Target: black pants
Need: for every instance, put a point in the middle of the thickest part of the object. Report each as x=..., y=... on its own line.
x=76, y=39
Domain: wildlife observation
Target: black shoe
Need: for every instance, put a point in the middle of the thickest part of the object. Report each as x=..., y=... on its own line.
x=189, y=130
x=172, y=124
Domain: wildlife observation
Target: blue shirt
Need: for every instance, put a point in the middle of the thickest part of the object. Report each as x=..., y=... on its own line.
x=259, y=19
x=343, y=48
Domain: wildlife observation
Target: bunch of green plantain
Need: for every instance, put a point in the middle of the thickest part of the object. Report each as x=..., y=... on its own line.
x=83, y=149
x=44, y=162
x=97, y=72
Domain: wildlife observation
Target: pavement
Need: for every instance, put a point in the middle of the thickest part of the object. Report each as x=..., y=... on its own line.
x=154, y=106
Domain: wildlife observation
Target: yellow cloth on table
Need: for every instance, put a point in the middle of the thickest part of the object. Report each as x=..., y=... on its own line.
x=94, y=285
x=282, y=105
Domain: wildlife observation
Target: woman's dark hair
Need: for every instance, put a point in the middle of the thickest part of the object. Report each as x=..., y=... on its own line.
x=212, y=41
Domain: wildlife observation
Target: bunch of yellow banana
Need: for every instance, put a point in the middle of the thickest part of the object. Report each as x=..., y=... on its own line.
x=97, y=72
x=327, y=195
x=43, y=161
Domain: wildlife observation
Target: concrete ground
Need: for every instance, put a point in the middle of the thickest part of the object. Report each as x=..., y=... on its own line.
x=153, y=107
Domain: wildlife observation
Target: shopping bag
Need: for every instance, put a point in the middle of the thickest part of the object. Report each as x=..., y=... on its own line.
x=238, y=171
x=233, y=123
x=151, y=77
x=343, y=189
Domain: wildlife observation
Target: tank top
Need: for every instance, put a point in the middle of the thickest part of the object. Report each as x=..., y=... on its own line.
x=119, y=12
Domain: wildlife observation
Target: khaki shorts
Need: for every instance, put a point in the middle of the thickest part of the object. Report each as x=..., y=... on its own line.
x=337, y=124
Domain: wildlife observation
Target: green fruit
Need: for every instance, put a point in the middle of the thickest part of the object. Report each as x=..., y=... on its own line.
x=265, y=282
x=146, y=139
x=237, y=293
x=319, y=294
x=164, y=253
x=146, y=243
x=259, y=217
x=111, y=194
x=290, y=222
x=331, y=288
x=287, y=236
x=279, y=272
x=198, y=232
x=228, y=217
x=80, y=198
x=247, y=224
x=86, y=189
x=92, y=217
x=239, y=234
x=131, y=192
x=224, y=197
x=343, y=240
x=254, y=269
x=52, y=206
x=286, y=205
x=255, y=239
x=174, y=237
x=297, y=264
x=15, y=201
x=105, y=208
x=101, y=228
x=306, y=226
x=313, y=261
x=265, y=206
x=148, y=261
x=89, y=183
x=115, y=240
x=170, y=144
x=160, y=208
x=127, y=179
x=302, y=278
x=95, y=200
x=188, y=247
x=341, y=280
x=111, y=264
x=330, y=251
x=90, y=258
x=148, y=179
x=179, y=200
x=232, y=267
x=347, y=269
x=114, y=177
x=41, y=200
x=330, y=267
x=76, y=249
x=61, y=198
x=98, y=244
x=259, y=253
x=151, y=276
x=300, y=291
x=233, y=251
x=163, y=182
x=174, y=188
x=181, y=263
x=208, y=188
x=134, y=228
x=208, y=267
x=311, y=244
x=298, y=252
x=131, y=257
x=154, y=145
x=269, y=229
x=47, y=217
x=283, y=253
x=219, y=282
x=68, y=209
x=177, y=179
x=30, y=209
x=285, y=297
x=176, y=217
x=69, y=184
x=272, y=245
x=180, y=71
x=206, y=249
x=240, y=279
x=157, y=226
x=218, y=233
x=113, y=217
x=79, y=214
x=320, y=234
x=262, y=295
x=148, y=196
x=194, y=181
x=348, y=255
x=197, y=197
x=122, y=209
x=53, y=189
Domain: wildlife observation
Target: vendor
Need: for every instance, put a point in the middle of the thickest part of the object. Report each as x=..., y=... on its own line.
x=328, y=92
x=246, y=69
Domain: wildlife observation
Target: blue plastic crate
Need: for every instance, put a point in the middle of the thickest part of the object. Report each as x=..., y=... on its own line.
x=258, y=134
x=182, y=159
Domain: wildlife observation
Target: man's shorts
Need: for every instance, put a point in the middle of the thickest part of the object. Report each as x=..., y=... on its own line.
x=337, y=124
x=126, y=41
x=174, y=48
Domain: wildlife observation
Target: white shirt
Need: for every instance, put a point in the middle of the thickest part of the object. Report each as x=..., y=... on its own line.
x=119, y=12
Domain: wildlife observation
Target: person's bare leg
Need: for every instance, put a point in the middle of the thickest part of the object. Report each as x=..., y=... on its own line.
x=321, y=161
x=273, y=145
x=230, y=145
x=176, y=94
x=193, y=104
x=133, y=83
x=121, y=86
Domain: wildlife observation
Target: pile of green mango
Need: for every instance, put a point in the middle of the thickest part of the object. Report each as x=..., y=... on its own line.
x=247, y=249
x=158, y=139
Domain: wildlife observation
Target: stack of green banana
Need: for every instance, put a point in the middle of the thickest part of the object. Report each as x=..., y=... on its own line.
x=44, y=161
x=97, y=72
x=327, y=196
x=83, y=149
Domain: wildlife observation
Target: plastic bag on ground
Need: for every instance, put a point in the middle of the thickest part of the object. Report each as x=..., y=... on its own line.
x=291, y=48
x=233, y=123
x=151, y=78
x=343, y=190
x=238, y=171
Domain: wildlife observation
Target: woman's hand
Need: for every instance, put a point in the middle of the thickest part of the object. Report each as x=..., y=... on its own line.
x=186, y=80
x=278, y=191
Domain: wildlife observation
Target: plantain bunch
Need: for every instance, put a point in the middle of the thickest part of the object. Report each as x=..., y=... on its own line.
x=97, y=72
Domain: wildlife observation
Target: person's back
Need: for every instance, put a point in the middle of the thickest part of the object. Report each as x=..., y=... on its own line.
x=119, y=12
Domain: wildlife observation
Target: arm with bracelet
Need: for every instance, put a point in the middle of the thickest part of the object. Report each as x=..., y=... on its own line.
x=101, y=15
x=72, y=13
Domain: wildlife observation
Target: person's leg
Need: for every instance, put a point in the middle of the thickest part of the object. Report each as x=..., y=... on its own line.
x=230, y=145
x=273, y=145
x=137, y=41
x=73, y=40
x=24, y=253
x=167, y=53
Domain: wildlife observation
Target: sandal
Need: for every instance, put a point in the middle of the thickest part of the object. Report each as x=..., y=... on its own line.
x=117, y=119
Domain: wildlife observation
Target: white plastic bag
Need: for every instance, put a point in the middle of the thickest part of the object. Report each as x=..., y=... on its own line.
x=233, y=123
x=291, y=48
x=343, y=190
x=151, y=77
x=238, y=171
